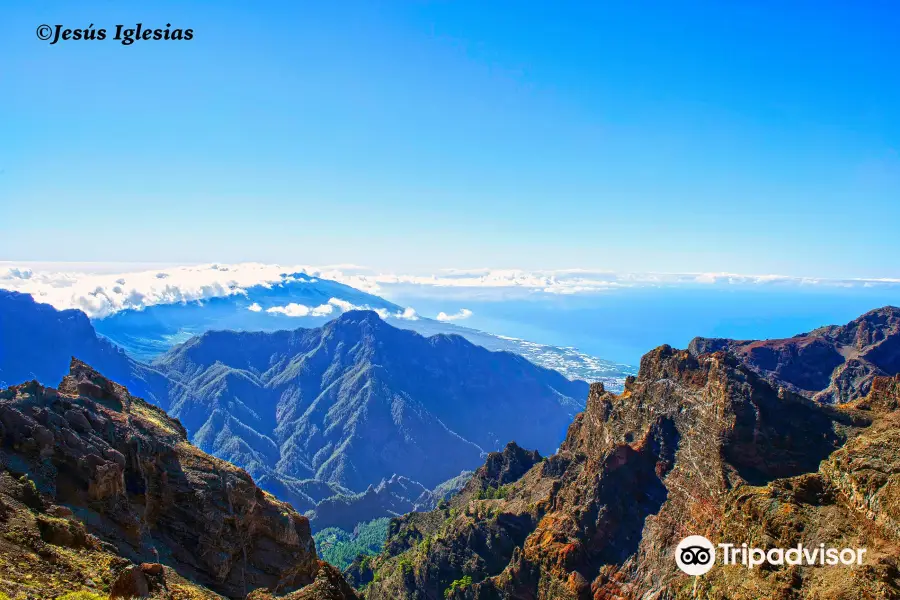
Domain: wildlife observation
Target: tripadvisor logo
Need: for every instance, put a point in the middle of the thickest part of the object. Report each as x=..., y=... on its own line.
x=696, y=555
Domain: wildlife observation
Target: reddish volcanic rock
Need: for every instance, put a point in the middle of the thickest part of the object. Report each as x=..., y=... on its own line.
x=830, y=364
x=696, y=445
x=124, y=481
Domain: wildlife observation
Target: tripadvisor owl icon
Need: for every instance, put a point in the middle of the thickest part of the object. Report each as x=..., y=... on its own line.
x=695, y=555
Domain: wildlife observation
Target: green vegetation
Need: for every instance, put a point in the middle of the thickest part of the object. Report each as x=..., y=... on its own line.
x=406, y=565
x=365, y=563
x=339, y=548
x=493, y=493
x=410, y=536
x=425, y=546
x=459, y=584
x=30, y=495
x=82, y=596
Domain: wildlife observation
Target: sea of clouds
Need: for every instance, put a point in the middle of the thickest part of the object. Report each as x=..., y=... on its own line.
x=101, y=290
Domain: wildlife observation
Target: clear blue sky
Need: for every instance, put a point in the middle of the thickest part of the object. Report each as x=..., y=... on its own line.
x=755, y=137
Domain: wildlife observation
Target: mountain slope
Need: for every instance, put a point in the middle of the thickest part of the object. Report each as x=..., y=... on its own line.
x=696, y=445
x=96, y=482
x=309, y=412
x=830, y=364
x=37, y=342
x=391, y=497
x=357, y=401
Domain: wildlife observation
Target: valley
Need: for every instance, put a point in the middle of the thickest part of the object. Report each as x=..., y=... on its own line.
x=351, y=421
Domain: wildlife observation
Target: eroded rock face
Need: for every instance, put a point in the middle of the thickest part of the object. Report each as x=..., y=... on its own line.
x=830, y=364
x=696, y=444
x=328, y=584
x=124, y=471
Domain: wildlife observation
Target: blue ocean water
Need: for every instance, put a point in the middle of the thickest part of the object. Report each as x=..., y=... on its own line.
x=622, y=325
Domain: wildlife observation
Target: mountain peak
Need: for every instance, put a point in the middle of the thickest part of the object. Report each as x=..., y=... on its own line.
x=881, y=315
x=420, y=408
x=831, y=364
x=84, y=380
x=358, y=317
x=887, y=310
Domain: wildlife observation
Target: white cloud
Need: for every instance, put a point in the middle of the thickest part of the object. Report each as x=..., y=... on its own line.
x=343, y=305
x=322, y=310
x=408, y=314
x=103, y=289
x=290, y=310
x=16, y=273
x=299, y=310
x=464, y=313
x=255, y=307
x=101, y=294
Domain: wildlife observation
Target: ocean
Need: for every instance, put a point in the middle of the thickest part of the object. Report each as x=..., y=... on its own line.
x=621, y=325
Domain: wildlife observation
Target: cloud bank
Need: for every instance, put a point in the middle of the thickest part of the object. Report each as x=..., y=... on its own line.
x=102, y=291
x=106, y=291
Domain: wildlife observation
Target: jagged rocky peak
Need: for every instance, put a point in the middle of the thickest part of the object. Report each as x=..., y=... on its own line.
x=830, y=364
x=506, y=466
x=358, y=317
x=114, y=488
x=884, y=395
x=870, y=328
x=362, y=325
x=698, y=443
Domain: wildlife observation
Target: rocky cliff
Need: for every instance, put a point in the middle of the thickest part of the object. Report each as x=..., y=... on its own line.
x=101, y=491
x=836, y=363
x=698, y=443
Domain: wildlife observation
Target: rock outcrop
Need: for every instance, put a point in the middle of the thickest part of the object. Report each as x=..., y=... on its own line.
x=830, y=364
x=698, y=444
x=108, y=492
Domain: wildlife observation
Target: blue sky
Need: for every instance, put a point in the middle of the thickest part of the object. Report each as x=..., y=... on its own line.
x=750, y=137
